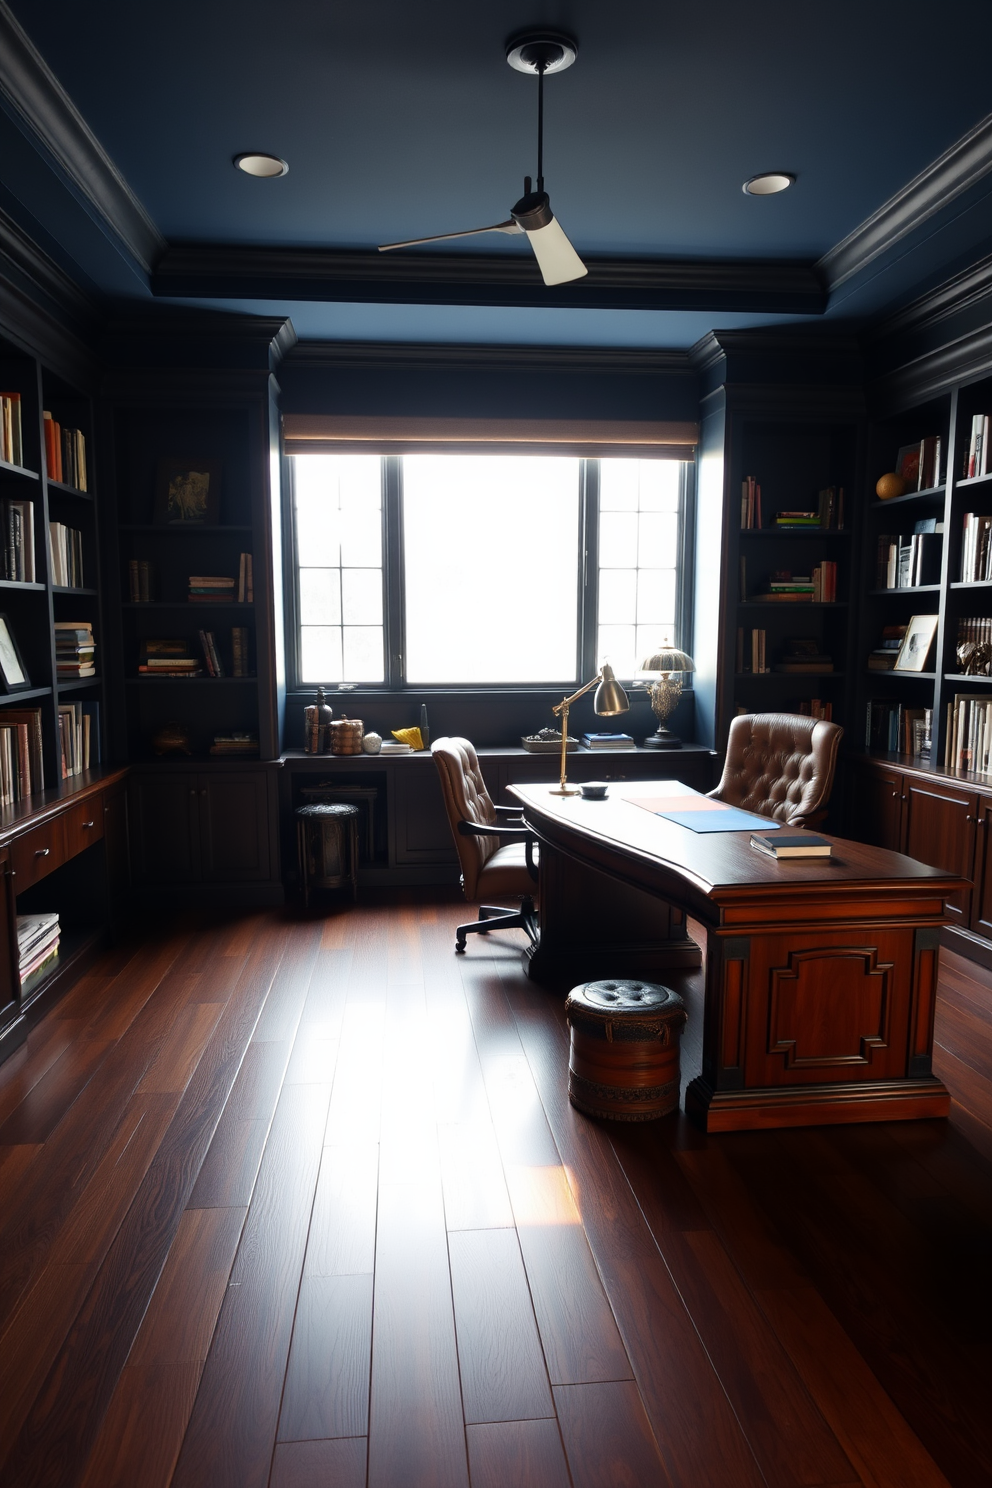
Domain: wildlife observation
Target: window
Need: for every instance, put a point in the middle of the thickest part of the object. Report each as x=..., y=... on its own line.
x=484, y=570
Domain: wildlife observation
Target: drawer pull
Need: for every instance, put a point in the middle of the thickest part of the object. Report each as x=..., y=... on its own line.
x=86, y=825
x=42, y=852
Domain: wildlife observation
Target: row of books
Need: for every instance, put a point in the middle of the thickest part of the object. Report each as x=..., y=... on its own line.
x=796, y=519
x=968, y=745
x=65, y=546
x=607, y=741
x=920, y=463
x=974, y=645
x=11, y=442
x=750, y=503
x=22, y=766
x=894, y=728
x=751, y=650
x=38, y=938
x=79, y=737
x=75, y=650
x=18, y=541
x=817, y=587
x=976, y=549
x=139, y=580
x=811, y=708
x=803, y=654
x=829, y=510
x=240, y=666
x=976, y=456
x=907, y=561
x=239, y=745
x=221, y=589
x=164, y=656
x=65, y=454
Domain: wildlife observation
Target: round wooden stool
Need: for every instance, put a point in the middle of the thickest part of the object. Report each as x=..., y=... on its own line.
x=624, y=1058
x=327, y=843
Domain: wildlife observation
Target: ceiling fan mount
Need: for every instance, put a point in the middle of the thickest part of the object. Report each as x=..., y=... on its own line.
x=537, y=53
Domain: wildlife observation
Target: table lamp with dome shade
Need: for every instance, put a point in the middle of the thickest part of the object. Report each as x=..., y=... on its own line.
x=664, y=667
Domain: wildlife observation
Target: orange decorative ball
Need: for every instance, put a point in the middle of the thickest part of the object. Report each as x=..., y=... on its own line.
x=889, y=486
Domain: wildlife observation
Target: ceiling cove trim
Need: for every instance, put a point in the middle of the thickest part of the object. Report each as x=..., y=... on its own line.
x=349, y=356
x=972, y=287
x=33, y=96
x=966, y=163
x=234, y=272
x=22, y=255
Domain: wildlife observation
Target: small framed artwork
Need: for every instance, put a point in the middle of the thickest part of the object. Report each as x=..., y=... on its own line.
x=908, y=465
x=187, y=492
x=13, y=674
x=916, y=644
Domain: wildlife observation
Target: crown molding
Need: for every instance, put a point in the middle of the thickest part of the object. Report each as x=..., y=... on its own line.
x=966, y=163
x=928, y=376
x=21, y=258
x=233, y=272
x=39, y=105
x=157, y=336
x=972, y=288
x=393, y=355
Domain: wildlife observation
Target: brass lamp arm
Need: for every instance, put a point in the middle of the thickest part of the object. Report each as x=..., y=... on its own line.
x=567, y=702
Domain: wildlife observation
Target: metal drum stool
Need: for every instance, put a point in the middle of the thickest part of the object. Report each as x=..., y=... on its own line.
x=624, y=1057
x=327, y=843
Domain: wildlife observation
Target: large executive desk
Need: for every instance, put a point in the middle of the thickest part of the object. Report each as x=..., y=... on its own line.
x=821, y=974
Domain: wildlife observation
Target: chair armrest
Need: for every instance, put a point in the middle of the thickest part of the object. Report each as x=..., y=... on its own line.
x=505, y=834
x=509, y=810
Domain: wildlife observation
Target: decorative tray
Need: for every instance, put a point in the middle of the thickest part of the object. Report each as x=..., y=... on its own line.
x=548, y=746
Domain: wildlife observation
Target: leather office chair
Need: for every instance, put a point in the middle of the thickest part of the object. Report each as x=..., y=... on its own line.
x=780, y=765
x=496, y=859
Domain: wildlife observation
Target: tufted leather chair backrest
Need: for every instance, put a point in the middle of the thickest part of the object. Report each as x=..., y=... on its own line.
x=465, y=799
x=780, y=765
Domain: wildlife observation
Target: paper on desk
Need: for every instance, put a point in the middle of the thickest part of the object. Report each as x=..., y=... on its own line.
x=659, y=805
x=730, y=819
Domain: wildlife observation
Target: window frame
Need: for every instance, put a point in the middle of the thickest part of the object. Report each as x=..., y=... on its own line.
x=393, y=608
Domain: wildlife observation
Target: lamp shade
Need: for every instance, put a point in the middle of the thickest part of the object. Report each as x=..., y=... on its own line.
x=667, y=659
x=610, y=697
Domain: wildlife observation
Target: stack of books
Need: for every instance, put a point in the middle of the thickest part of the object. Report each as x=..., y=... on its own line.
x=750, y=503
x=810, y=708
x=139, y=576
x=824, y=578
x=974, y=645
x=18, y=546
x=37, y=943
x=65, y=454
x=234, y=743
x=802, y=655
x=976, y=456
x=976, y=549
x=787, y=586
x=215, y=667
x=246, y=583
x=796, y=519
x=890, y=726
x=791, y=845
x=79, y=737
x=21, y=754
x=11, y=444
x=65, y=547
x=607, y=741
x=969, y=733
x=883, y=658
x=167, y=658
x=908, y=560
x=75, y=650
x=210, y=589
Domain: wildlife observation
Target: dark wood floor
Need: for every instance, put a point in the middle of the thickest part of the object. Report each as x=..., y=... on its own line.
x=302, y=1202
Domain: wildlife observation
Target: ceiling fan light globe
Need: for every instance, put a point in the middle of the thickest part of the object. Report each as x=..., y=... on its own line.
x=556, y=258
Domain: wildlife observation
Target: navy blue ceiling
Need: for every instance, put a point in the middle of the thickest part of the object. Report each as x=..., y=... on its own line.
x=401, y=119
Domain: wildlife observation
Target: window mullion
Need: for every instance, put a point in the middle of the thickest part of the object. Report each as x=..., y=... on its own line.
x=393, y=606
x=589, y=571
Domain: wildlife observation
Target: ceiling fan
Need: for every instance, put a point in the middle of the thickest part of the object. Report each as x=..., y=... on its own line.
x=539, y=52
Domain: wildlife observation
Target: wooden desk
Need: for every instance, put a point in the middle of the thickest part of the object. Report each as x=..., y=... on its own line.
x=820, y=974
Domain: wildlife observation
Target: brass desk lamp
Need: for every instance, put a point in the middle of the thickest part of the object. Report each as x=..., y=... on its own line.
x=610, y=700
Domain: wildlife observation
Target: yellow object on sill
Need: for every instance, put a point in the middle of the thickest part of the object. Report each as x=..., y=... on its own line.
x=409, y=736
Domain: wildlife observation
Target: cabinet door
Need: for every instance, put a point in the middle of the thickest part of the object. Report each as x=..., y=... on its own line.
x=940, y=830
x=420, y=829
x=875, y=807
x=163, y=816
x=234, y=827
x=9, y=983
x=981, y=917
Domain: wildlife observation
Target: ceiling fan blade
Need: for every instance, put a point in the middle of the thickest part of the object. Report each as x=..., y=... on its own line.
x=556, y=258
x=504, y=227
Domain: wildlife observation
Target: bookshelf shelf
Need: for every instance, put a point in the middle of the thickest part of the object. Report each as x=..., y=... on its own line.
x=189, y=681
x=15, y=699
x=971, y=584
x=81, y=593
x=78, y=684
x=930, y=494
x=63, y=490
x=787, y=534
x=20, y=470
x=908, y=589
x=894, y=676
x=961, y=681
x=185, y=605
x=777, y=676
x=20, y=584
x=792, y=605
x=184, y=529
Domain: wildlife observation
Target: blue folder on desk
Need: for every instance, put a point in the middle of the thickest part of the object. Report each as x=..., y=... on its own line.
x=730, y=820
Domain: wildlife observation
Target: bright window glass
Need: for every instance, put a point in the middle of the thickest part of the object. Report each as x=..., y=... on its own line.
x=638, y=560
x=491, y=563
x=339, y=552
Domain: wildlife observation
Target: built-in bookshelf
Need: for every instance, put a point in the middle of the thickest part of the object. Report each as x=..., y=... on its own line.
x=790, y=556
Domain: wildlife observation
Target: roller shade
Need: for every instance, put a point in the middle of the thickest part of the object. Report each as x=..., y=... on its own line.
x=324, y=434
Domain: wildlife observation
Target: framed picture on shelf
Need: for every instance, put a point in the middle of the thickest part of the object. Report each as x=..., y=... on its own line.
x=13, y=676
x=916, y=644
x=187, y=492
x=908, y=465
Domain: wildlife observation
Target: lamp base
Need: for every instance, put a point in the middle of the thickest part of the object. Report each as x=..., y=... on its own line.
x=662, y=739
x=564, y=790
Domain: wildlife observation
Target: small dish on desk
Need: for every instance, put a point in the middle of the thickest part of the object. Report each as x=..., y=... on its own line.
x=593, y=790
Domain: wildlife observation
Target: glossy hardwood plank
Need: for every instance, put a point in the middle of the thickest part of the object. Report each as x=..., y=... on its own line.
x=327, y=1382
x=499, y=1351
x=341, y=1241
x=175, y=1062
x=140, y=1436
x=59, y=1430
x=527, y=1454
x=320, y=1464
x=475, y=1196
x=46, y=1103
x=112, y=1013
x=416, y=1435
x=608, y=1438
x=32, y=1340
x=227, y=1176
x=232, y=1430
x=354, y=1112
x=14, y=1164
x=179, y=1323
x=45, y=1044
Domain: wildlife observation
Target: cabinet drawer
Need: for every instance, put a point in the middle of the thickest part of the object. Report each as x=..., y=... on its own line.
x=83, y=825
x=36, y=853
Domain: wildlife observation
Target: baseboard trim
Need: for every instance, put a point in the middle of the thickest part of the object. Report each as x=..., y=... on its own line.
x=966, y=943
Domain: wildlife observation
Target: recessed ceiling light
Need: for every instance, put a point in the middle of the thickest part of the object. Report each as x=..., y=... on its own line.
x=767, y=184
x=261, y=165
